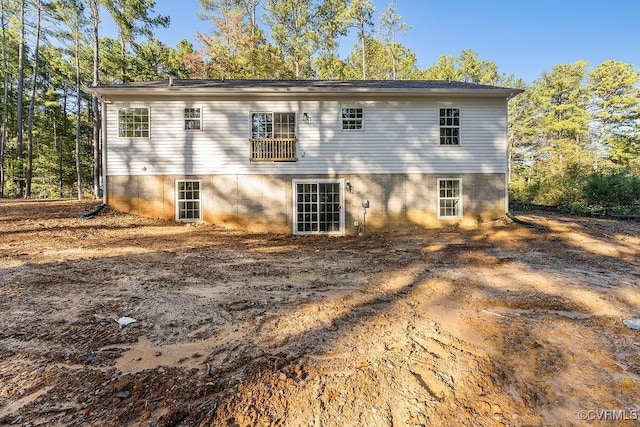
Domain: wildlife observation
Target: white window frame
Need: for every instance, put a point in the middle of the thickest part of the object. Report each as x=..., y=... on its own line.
x=459, y=199
x=273, y=124
x=294, y=184
x=449, y=126
x=178, y=200
x=148, y=135
x=197, y=120
x=349, y=120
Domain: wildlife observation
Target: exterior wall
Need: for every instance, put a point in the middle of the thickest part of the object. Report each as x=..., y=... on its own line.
x=399, y=136
x=264, y=202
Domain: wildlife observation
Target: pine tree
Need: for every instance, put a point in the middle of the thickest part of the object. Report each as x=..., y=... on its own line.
x=392, y=25
x=613, y=86
x=292, y=24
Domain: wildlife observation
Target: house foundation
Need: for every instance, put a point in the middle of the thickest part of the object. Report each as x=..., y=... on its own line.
x=268, y=202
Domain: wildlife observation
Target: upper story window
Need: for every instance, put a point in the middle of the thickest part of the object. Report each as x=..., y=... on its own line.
x=192, y=119
x=273, y=125
x=133, y=122
x=449, y=126
x=351, y=118
x=273, y=137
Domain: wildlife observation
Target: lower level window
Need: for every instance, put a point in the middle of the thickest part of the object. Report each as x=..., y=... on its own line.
x=449, y=198
x=188, y=201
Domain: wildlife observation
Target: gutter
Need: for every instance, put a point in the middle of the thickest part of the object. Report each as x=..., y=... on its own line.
x=172, y=90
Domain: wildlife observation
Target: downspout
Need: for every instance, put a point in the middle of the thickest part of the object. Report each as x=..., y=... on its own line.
x=103, y=133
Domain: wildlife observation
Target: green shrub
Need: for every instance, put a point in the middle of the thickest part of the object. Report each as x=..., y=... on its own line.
x=521, y=191
x=574, y=208
x=614, y=189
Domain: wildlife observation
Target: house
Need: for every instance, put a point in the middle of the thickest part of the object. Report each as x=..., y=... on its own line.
x=308, y=157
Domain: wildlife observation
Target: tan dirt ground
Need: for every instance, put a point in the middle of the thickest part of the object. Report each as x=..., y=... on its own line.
x=500, y=325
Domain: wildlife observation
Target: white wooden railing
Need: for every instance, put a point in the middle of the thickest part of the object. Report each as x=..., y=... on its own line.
x=273, y=149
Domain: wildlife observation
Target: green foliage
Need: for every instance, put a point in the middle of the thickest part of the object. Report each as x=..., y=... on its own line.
x=474, y=70
x=615, y=106
x=561, y=99
x=566, y=132
x=133, y=18
x=444, y=69
x=624, y=150
x=392, y=25
x=378, y=65
x=292, y=24
x=467, y=68
x=568, y=129
x=360, y=17
x=574, y=208
x=613, y=189
x=523, y=191
x=153, y=61
x=617, y=191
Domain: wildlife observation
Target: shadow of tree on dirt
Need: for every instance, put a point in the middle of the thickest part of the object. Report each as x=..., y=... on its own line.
x=444, y=326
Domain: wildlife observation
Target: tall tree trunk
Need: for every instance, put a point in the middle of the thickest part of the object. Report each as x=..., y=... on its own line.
x=78, y=110
x=58, y=144
x=32, y=102
x=394, y=67
x=253, y=43
x=20, y=142
x=364, y=57
x=5, y=98
x=97, y=119
x=65, y=98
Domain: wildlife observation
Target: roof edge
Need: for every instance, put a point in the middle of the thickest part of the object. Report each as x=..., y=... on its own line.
x=173, y=87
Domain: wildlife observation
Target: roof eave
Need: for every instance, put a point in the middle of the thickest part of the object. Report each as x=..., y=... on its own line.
x=108, y=92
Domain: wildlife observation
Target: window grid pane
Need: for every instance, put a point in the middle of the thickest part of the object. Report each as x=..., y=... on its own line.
x=261, y=125
x=352, y=118
x=449, y=198
x=307, y=215
x=192, y=119
x=188, y=195
x=449, y=126
x=284, y=125
x=133, y=122
x=318, y=207
x=329, y=195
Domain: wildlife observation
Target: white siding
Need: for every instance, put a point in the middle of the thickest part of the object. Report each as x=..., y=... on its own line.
x=399, y=136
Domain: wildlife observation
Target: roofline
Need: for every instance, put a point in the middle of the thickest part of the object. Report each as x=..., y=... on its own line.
x=266, y=91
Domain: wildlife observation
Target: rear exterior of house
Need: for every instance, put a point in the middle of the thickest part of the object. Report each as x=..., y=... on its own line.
x=308, y=157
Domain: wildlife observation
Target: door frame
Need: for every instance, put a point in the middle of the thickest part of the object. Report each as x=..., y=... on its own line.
x=295, y=182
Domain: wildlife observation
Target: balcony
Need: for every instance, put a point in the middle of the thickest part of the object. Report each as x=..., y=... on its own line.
x=273, y=149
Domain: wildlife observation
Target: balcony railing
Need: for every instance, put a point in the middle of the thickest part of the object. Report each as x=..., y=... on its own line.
x=273, y=149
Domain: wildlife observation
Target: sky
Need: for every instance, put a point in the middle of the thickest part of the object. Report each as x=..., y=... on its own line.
x=523, y=37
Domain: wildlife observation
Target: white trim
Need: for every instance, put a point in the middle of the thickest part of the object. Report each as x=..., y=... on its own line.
x=130, y=107
x=507, y=173
x=184, y=119
x=351, y=107
x=450, y=127
x=273, y=122
x=103, y=136
x=460, y=198
x=294, y=183
x=177, y=200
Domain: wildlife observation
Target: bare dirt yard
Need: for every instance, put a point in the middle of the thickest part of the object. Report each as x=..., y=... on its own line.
x=500, y=325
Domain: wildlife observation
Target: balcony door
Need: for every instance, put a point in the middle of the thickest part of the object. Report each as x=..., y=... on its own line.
x=318, y=206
